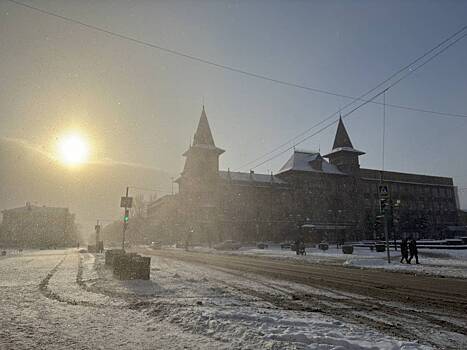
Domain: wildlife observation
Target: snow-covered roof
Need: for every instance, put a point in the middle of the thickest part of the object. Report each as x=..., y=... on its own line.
x=303, y=161
x=346, y=149
x=249, y=177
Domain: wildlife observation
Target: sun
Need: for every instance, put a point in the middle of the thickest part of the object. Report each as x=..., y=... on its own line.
x=73, y=149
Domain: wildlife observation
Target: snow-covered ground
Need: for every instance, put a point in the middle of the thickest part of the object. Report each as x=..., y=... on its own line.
x=62, y=299
x=439, y=262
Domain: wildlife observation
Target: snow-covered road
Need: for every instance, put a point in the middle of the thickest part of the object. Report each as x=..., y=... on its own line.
x=62, y=299
x=42, y=307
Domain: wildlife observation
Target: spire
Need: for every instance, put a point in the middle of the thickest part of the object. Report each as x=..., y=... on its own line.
x=342, y=138
x=203, y=135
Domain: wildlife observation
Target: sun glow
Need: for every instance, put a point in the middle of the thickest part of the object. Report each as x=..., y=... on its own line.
x=73, y=149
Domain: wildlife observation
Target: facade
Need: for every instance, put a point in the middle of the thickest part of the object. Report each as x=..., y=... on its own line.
x=38, y=227
x=463, y=217
x=314, y=196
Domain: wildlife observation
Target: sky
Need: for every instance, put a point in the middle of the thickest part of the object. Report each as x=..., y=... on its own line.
x=141, y=105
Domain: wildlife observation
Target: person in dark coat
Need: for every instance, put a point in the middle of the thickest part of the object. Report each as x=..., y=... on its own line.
x=404, y=251
x=413, y=250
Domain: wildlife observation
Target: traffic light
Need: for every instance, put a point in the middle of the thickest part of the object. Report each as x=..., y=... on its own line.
x=127, y=216
x=384, y=205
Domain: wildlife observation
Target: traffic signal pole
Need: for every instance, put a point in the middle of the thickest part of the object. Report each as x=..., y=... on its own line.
x=125, y=222
x=386, y=235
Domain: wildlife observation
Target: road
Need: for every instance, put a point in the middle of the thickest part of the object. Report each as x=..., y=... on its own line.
x=408, y=306
x=44, y=305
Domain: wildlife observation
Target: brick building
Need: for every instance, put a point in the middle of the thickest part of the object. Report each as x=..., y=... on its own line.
x=317, y=196
x=38, y=227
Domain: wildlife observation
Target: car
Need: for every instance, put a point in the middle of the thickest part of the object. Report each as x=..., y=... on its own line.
x=262, y=245
x=156, y=245
x=228, y=245
x=286, y=245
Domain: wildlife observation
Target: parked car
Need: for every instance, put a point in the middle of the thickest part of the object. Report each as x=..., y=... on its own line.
x=228, y=245
x=262, y=245
x=286, y=245
x=156, y=245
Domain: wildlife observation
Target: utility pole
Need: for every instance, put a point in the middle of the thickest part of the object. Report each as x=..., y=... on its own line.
x=125, y=202
x=383, y=189
x=98, y=229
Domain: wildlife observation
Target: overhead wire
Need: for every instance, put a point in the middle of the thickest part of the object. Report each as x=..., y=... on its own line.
x=411, y=71
x=264, y=77
x=234, y=69
x=404, y=68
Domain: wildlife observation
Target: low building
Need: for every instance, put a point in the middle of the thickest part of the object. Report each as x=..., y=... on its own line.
x=318, y=197
x=38, y=227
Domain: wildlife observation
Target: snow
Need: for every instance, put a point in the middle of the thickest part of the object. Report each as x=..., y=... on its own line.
x=439, y=262
x=63, y=299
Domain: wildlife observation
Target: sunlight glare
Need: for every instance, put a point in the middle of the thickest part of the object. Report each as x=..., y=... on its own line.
x=73, y=149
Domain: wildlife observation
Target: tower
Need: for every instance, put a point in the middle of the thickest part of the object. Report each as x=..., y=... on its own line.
x=202, y=159
x=343, y=154
x=198, y=183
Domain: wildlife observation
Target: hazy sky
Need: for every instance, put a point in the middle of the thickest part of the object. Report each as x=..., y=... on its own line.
x=140, y=105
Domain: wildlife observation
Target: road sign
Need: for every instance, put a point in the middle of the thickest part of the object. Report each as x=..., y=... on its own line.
x=383, y=191
x=126, y=202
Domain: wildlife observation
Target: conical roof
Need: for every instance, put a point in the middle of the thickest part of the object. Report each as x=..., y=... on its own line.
x=342, y=138
x=203, y=135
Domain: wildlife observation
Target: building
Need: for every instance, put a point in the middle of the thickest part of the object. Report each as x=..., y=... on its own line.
x=463, y=217
x=38, y=227
x=315, y=196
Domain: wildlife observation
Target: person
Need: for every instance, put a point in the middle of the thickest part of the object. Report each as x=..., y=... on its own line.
x=404, y=251
x=413, y=250
x=297, y=246
x=301, y=248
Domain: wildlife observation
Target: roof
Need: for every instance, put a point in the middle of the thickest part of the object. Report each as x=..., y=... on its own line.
x=35, y=208
x=250, y=177
x=342, y=141
x=345, y=149
x=303, y=161
x=342, y=138
x=203, y=137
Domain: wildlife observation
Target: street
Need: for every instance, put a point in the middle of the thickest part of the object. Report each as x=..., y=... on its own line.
x=54, y=299
x=394, y=303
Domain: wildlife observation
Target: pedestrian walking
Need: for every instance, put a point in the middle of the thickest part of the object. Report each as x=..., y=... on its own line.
x=413, y=250
x=404, y=251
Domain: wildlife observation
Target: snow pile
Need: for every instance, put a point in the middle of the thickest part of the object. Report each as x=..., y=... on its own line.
x=247, y=328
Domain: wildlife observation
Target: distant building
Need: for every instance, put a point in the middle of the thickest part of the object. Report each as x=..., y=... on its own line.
x=38, y=227
x=309, y=196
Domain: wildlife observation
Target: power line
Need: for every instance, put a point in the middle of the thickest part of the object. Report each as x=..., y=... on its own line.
x=409, y=72
x=368, y=101
x=360, y=98
x=242, y=71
